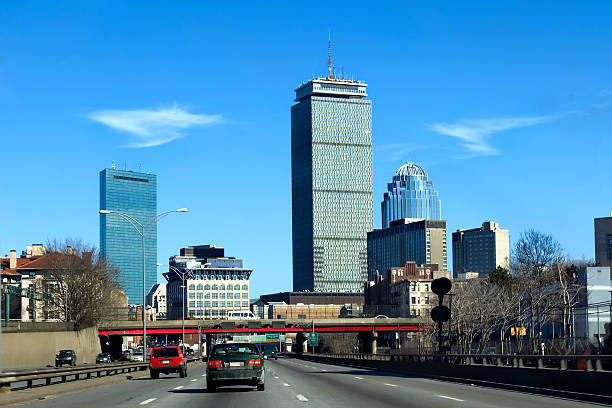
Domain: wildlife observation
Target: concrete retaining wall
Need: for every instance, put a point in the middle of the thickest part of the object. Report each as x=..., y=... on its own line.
x=592, y=385
x=37, y=349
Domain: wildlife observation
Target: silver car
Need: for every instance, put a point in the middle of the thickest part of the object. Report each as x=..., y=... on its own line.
x=137, y=356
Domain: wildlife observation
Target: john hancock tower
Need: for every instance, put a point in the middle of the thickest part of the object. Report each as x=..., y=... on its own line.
x=331, y=173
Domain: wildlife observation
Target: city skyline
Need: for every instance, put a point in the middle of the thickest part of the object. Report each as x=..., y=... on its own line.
x=496, y=115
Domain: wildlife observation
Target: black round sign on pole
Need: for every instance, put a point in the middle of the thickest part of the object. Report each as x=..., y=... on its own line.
x=440, y=314
x=441, y=286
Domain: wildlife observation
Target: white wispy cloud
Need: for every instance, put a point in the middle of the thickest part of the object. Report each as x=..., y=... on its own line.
x=606, y=92
x=474, y=134
x=150, y=128
x=396, y=151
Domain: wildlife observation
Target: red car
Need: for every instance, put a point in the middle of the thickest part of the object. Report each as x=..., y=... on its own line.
x=167, y=360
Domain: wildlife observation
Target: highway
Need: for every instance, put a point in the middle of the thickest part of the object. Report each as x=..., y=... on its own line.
x=297, y=383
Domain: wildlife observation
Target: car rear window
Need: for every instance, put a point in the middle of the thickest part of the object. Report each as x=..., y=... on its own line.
x=165, y=352
x=65, y=352
x=231, y=349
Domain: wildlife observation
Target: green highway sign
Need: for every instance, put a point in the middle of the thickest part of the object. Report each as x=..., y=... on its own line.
x=272, y=336
x=313, y=339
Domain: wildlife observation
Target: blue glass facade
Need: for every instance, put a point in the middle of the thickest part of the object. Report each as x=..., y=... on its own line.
x=410, y=195
x=133, y=194
x=331, y=164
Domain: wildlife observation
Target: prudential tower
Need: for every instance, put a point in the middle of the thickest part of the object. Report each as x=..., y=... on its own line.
x=331, y=173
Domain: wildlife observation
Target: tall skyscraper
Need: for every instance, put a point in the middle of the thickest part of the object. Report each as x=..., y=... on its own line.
x=133, y=194
x=603, y=241
x=481, y=249
x=410, y=195
x=407, y=240
x=331, y=173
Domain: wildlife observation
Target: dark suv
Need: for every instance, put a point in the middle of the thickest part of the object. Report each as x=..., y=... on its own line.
x=65, y=357
x=235, y=364
x=167, y=360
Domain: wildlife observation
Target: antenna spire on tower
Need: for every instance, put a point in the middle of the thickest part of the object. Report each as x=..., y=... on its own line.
x=329, y=59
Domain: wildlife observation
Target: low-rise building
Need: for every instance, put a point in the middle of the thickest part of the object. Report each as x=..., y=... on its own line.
x=156, y=298
x=403, y=292
x=214, y=285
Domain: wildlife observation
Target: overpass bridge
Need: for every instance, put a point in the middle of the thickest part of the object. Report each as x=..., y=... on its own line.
x=367, y=328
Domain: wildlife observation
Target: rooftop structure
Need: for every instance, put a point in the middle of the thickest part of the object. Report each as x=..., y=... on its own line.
x=410, y=195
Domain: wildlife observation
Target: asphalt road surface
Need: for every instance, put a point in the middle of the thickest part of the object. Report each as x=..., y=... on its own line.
x=297, y=383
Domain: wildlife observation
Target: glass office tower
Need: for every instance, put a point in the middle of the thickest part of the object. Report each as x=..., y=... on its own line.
x=331, y=173
x=133, y=194
x=410, y=195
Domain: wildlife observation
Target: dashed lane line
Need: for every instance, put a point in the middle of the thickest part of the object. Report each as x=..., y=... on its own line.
x=145, y=402
x=287, y=385
x=301, y=398
x=194, y=380
x=179, y=387
x=390, y=385
x=359, y=378
x=451, y=398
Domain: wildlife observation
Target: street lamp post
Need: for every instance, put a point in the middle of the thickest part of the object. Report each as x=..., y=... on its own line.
x=141, y=229
x=182, y=274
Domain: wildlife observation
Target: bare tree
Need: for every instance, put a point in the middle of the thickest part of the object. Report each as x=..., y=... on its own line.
x=535, y=254
x=80, y=283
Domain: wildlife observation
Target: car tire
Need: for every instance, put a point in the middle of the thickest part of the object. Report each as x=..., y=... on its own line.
x=261, y=387
x=211, y=387
x=154, y=375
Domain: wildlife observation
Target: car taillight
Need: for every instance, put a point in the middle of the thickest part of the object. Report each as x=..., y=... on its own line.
x=255, y=362
x=214, y=363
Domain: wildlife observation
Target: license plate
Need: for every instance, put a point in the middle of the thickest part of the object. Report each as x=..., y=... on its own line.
x=236, y=363
x=165, y=361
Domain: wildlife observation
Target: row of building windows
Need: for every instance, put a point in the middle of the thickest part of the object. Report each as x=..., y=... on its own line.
x=192, y=304
x=215, y=295
x=217, y=287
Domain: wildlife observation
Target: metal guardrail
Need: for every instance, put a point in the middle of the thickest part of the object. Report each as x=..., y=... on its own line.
x=601, y=363
x=79, y=373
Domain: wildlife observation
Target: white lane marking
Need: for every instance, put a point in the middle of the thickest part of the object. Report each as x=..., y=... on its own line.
x=451, y=398
x=390, y=385
x=287, y=385
x=359, y=378
x=145, y=402
x=179, y=387
x=301, y=398
x=195, y=379
x=323, y=370
x=276, y=376
x=203, y=375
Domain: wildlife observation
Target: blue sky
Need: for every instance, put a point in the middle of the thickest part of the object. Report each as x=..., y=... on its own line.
x=508, y=106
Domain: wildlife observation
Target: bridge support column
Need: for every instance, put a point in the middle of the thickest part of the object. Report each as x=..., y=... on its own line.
x=373, y=342
x=208, y=343
x=300, y=340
